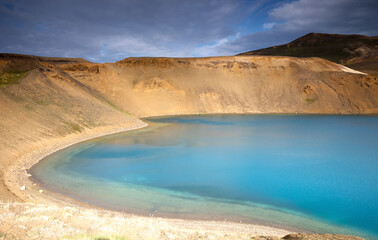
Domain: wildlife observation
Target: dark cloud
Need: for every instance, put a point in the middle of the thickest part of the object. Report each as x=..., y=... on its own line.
x=294, y=19
x=110, y=30
x=341, y=16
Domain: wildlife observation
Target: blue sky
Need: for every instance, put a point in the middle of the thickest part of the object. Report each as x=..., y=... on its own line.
x=110, y=30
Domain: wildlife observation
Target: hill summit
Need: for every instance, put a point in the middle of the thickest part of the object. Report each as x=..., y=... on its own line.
x=355, y=51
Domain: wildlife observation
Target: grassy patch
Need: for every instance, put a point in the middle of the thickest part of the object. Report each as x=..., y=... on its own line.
x=311, y=100
x=116, y=108
x=75, y=127
x=9, y=78
x=40, y=102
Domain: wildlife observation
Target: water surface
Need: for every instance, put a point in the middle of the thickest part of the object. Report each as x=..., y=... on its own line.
x=316, y=173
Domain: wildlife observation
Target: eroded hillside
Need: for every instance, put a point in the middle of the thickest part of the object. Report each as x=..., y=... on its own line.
x=45, y=106
x=167, y=86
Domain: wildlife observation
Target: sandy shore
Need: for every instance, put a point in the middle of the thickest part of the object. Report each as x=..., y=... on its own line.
x=41, y=214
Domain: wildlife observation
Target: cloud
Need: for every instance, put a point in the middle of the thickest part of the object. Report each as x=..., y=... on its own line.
x=111, y=30
x=336, y=16
x=127, y=28
x=269, y=25
x=296, y=18
x=211, y=49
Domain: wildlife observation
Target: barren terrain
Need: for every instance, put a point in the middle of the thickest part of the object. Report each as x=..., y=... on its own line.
x=49, y=103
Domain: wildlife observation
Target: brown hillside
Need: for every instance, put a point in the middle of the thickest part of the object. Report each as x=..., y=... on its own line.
x=20, y=62
x=166, y=86
x=356, y=51
x=46, y=106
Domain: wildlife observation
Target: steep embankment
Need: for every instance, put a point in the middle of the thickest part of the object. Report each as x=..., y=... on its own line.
x=355, y=51
x=45, y=106
x=165, y=86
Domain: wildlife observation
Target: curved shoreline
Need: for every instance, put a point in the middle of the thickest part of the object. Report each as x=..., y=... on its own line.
x=16, y=177
x=16, y=174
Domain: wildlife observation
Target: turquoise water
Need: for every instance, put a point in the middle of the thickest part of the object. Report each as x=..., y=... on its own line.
x=315, y=173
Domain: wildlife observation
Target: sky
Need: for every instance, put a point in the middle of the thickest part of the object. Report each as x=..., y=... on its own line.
x=111, y=30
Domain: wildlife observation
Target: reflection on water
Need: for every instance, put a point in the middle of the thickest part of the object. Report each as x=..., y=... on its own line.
x=317, y=173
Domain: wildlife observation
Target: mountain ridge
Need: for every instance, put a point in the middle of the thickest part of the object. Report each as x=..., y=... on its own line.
x=356, y=51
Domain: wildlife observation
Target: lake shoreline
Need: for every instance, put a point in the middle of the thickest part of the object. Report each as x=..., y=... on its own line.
x=17, y=178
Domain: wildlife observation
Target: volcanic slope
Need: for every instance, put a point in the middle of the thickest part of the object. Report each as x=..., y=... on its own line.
x=257, y=84
x=41, y=105
x=356, y=51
